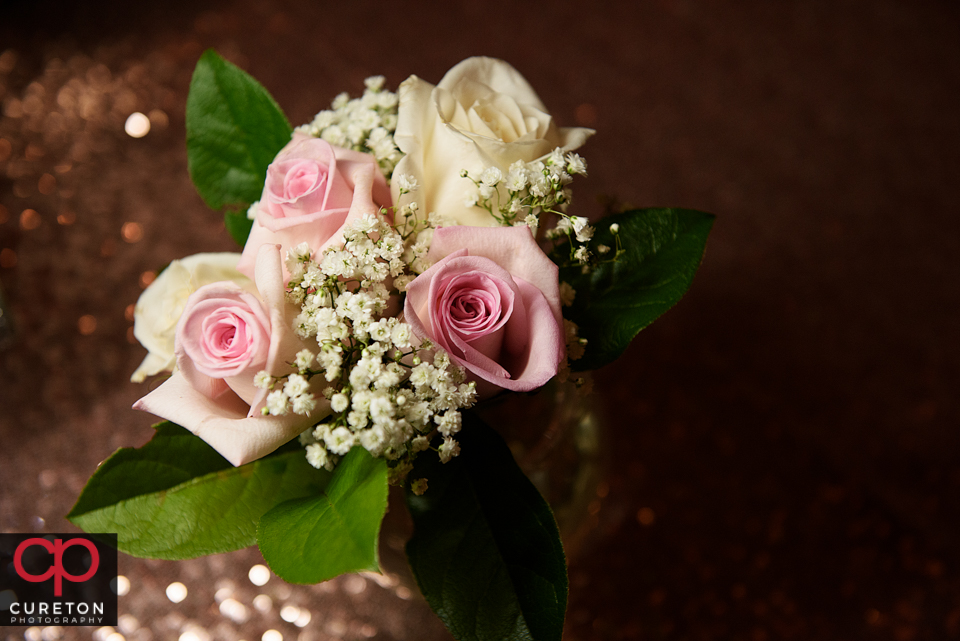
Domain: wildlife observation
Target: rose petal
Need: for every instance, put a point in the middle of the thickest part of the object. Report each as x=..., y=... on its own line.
x=223, y=422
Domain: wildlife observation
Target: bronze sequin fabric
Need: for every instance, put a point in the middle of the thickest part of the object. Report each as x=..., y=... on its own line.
x=784, y=445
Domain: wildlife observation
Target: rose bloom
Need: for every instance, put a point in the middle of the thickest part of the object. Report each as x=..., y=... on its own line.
x=225, y=336
x=312, y=191
x=481, y=114
x=491, y=300
x=160, y=305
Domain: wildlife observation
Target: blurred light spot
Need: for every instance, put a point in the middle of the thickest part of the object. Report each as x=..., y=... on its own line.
x=137, y=125
x=189, y=635
x=38, y=523
x=354, y=584
x=48, y=478
x=101, y=634
x=262, y=603
x=88, y=325
x=873, y=616
x=176, y=592
x=368, y=631
x=303, y=619
x=128, y=623
x=603, y=490
x=131, y=232
x=29, y=219
x=46, y=184
x=120, y=585
x=8, y=59
x=63, y=168
x=158, y=119
x=289, y=613
x=129, y=311
x=8, y=258
x=585, y=115
x=131, y=336
x=335, y=628
x=66, y=217
x=646, y=516
x=594, y=507
x=32, y=634
x=259, y=575
x=116, y=636
x=5, y=149
x=234, y=610
x=271, y=635
x=404, y=593
x=13, y=108
x=146, y=278
x=51, y=633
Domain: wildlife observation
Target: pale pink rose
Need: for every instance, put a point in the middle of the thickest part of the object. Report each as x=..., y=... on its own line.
x=312, y=191
x=492, y=300
x=225, y=336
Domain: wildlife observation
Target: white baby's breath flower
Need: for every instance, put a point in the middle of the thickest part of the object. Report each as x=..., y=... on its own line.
x=448, y=450
x=262, y=380
x=339, y=440
x=304, y=360
x=317, y=455
x=339, y=402
x=277, y=403
x=406, y=183
x=304, y=404
x=491, y=176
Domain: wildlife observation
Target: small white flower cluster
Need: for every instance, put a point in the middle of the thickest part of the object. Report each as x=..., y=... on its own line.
x=388, y=393
x=290, y=393
x=363, y=124
x=528, y=189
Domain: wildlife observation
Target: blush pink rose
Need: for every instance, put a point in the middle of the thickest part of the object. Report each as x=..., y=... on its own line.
x=312, y=190
x=492, y=300
x=225, y=336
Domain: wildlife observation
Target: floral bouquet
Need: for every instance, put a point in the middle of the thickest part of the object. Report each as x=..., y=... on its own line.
x=406, y=256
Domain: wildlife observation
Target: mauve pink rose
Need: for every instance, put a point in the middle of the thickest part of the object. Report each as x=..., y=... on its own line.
x=492, y=300
x=225, y=336
x=312, y=191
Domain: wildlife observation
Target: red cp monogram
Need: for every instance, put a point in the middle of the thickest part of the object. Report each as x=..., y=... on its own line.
x=56, y=570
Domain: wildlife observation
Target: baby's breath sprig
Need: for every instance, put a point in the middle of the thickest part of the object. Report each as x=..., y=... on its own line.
x=528, y=190
x=388, y=392
x=364, y=124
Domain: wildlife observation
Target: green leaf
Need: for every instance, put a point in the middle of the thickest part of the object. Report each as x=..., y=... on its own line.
x=486, y=551
x=662, y=251
x=238, y=226
x=234, y=131
x=176, y=498
x=316, y=538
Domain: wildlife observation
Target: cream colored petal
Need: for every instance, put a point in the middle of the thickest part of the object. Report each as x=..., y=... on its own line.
x=153, y=364
x=496, y=74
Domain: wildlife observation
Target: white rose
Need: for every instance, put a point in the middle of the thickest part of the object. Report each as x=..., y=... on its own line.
x=159, y=307
x=482, y=114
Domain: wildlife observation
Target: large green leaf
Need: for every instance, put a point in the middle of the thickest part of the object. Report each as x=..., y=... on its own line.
x=234, y=131
x=176, y=498
x=662, y=250
x=313, y=539
x=486, y=551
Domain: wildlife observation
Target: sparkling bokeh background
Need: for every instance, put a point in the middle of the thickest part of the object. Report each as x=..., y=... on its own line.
x=786, y=458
